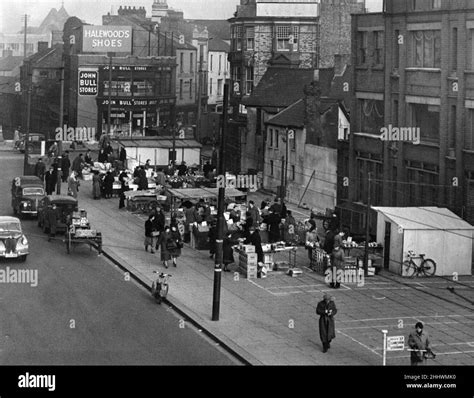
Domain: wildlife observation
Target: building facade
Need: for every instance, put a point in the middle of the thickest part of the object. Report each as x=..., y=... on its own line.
x=413, y=106
x=218, y=72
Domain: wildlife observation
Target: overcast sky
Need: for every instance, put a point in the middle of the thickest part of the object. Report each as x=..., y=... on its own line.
x=91, y=11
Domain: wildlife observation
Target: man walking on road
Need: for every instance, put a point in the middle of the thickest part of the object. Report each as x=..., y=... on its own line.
x=419, y=343
x=326, y=309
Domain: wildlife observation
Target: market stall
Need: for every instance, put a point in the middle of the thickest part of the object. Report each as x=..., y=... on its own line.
x=436, y=232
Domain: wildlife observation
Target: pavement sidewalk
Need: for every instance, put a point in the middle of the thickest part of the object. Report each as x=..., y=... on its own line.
x=269, y=321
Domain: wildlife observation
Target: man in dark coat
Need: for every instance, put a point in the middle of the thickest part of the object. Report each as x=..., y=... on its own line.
x=273, y=221
x=326, y=309
x=228, y=251
x=149, y=233
x=50, y=180
x=40, y=169
x=255, y=240
x=123, y=178
x=254, y=214
x=65, y=165
x=77, y=165
x=142, y=179
x=109, y=184
x=88, y=158
x=419, y=342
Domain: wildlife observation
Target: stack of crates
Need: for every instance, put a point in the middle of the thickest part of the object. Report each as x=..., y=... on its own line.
x=268, y=261
x=248, y=261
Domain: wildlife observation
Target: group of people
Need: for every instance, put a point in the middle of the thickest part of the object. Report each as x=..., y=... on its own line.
x=166, y=238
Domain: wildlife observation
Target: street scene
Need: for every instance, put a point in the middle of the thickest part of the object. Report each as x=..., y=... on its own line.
x=287, y=183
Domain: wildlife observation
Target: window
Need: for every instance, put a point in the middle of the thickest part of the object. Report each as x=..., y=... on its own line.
x=236, y=37
x=249, y=80
x=211, y=61
x=367, y=163
x=469, y=136
x=219, y=86
x=277, y=138
x=396, y=50
x=287, y=38
x=292, y=142
x=426, y=117
x=436, y=4
x=427, y=48
x=14, y=46
x=271, y=167
x=250, y=36
x=270, y=138
x=181, y=62
x=423, y=180
x=210, y=86
x=379, y=47
x=371, y=116
x=454, y=50
x=452, y=128
x=181, y=89
x=362, y=44
x=293, y=172
x=191, y=62
x=190, y=88
x=220, y=64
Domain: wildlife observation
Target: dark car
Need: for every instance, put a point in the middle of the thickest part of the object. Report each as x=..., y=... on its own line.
x=65, y=206
x=34, y=143
x=13, y=243
x=27, y=191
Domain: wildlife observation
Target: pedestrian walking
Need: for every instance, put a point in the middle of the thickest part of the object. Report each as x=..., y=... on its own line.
x=65, y=165
x=254, y=213
x=77, y=165
x=50, y=180
x=40, y=169
x=170, y=245
x=109, y=184
x=337, y=263
x=326, y=309
x=73, y=185
x=419, y=343
x=149, y=233
x=96, y=181
x=123, y=178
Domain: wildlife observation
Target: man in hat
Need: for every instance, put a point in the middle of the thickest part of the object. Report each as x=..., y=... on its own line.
x=326, y=309
x=419, y=343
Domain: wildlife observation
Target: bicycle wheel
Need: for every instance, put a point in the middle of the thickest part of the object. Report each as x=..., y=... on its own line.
x=408, y=269
x=428, y=267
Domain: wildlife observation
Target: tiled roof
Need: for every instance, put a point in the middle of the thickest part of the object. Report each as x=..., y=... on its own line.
x=216, y=44
x=279, y=87
x=293, y=116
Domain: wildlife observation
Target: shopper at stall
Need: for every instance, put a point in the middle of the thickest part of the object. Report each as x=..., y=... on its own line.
x=337, y=263
x=276, y=207
x=228, y=251
x=78, y=165
x=149, y=233
x=123, y=178
x=142, y=179
x=96, y=182
x=254, y=213
x=255, y=240
x=65, y=165
x=73, y=185
x=312, y=239
x=326, y=309
x=273, y=221
x=109, y=184
x=289, y=228
x=160, y=178
x=329, y=241
x=419, y=343
x=88, y=158
x=182, y=169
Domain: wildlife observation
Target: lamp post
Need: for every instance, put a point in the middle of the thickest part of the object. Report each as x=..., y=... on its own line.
x=61, y=122
x=220, y=215
x=367, y=227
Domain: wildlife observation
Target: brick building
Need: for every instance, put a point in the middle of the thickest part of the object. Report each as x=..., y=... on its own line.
x=413, y=70
x=275, y=33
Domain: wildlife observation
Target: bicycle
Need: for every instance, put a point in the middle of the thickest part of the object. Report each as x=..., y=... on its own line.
x=159, y=288
x=427, y=266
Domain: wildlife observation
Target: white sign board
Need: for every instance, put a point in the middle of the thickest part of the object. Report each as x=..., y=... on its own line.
x=395, y=343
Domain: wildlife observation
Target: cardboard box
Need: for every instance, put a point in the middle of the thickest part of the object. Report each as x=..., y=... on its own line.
x=248, y=248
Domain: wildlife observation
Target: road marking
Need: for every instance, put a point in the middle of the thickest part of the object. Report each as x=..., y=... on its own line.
x=405, y=317
x=396, y=326
x=358, y=342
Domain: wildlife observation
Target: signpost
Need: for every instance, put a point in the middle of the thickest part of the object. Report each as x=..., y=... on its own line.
x=105, y=39
x=88, y=82
x=391, y=343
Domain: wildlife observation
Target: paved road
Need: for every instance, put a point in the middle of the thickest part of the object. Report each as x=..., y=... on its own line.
x=85, y=312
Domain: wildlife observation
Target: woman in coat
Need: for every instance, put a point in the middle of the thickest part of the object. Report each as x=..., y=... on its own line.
x=228, y=251
x=170, y=245
x=109, y=184
x=96, y=185
x=326, y=310
x=72, y=185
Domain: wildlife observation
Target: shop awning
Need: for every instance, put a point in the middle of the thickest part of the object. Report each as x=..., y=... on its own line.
x=197, y=193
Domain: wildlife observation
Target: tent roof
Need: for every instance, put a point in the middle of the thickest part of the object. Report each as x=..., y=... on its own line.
x=197, y=193
x=424, y=218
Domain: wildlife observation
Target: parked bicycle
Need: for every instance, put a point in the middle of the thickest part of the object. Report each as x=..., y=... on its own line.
x=159, y=288
x=410, y=268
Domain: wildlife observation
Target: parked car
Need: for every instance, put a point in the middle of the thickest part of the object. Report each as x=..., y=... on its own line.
x=66, y=206
x=34, y=143
x=27, y=191
x=13, y=243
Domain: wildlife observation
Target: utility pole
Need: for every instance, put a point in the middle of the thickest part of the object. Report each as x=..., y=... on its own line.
x=28, y=117
x=282, y=182
x=367, y=227
x=286, y=164
x=25, y=34
x=109, y=105
x=216, y=297
x=199, y=95
x=61, y=123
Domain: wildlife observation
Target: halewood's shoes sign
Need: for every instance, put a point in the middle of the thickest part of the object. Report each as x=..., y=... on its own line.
x=103, y=39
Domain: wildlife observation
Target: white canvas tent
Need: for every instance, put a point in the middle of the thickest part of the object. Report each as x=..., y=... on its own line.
x=437, y=232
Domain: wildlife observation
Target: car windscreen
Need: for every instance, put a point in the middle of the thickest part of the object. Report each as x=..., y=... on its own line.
x=10, y=226
x=33, y=191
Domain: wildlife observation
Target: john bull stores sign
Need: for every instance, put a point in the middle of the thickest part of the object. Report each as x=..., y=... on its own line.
x=88, y=82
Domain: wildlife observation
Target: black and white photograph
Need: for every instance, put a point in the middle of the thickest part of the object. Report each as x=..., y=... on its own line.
x=218, y=185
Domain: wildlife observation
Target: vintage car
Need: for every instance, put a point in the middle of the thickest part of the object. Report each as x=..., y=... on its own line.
x=65, y=207
x=27, y=191
x=34, y=143
x=13, y=243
